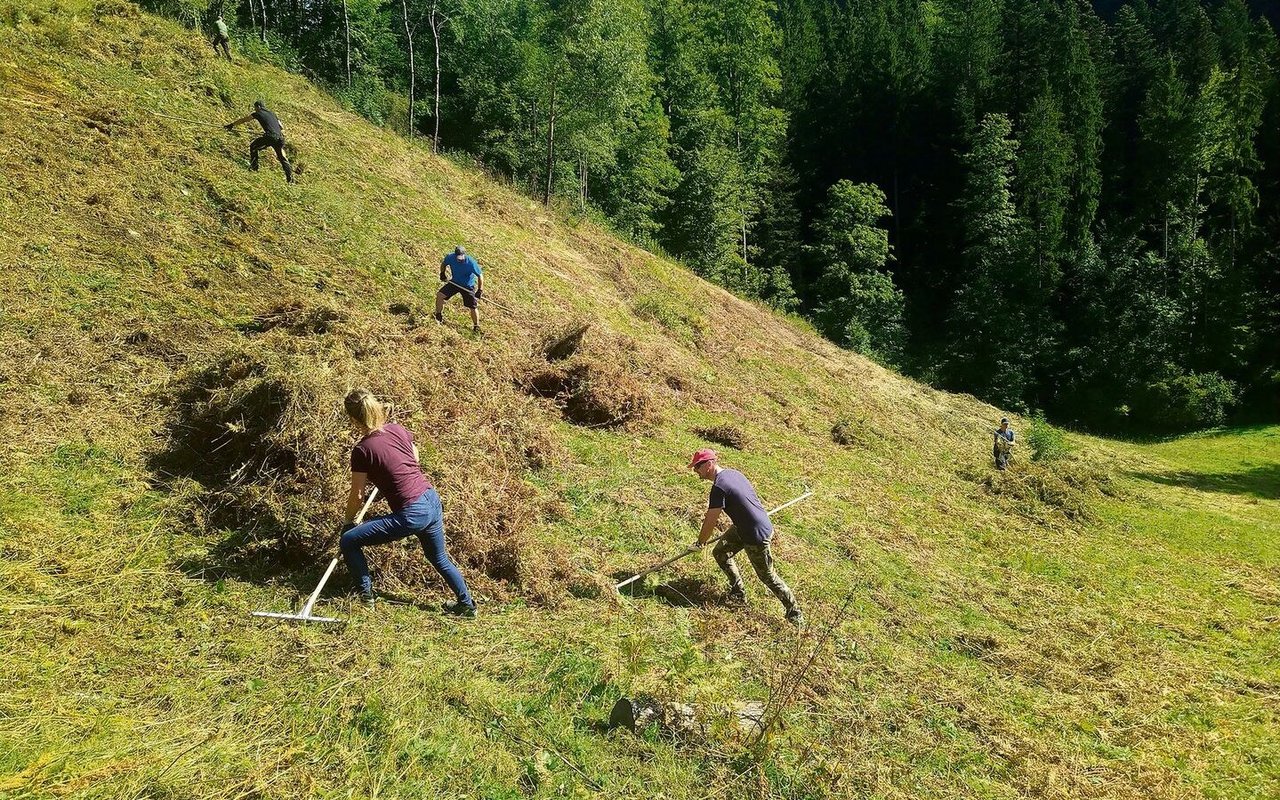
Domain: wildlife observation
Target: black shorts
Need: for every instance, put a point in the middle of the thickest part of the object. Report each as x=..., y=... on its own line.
x=468, y=297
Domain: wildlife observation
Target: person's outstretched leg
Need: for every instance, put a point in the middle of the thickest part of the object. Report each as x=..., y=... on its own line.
x=278, y=146
x=440, y=298
x=379, y=530
x=761, y=558
x=254, y=147
x=723, y=552
x=475, y=318
x=433, y=545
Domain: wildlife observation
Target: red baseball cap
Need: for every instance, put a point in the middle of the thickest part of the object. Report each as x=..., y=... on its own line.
x=702, y=455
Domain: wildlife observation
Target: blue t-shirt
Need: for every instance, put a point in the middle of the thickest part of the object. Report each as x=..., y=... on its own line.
x=462, y=271
x=1008, y=435
x=734, y=493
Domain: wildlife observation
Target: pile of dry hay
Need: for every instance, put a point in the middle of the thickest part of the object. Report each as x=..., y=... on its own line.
x=1031, y=488
x=596, y=379
x=262, y=431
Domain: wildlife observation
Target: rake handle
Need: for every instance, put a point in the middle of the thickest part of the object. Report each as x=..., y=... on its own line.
x=693, y=550
x=311, y=601
x=481, y=299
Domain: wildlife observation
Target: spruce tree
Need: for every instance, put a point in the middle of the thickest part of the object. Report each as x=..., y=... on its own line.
x=859, y=306
x=993, y=339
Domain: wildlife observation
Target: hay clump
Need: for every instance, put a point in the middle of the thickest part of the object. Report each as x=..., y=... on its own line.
x=295, y=317
x=598, y=381
x=247, y=431
x=854, y=432
x=596, y=393
x=726, y=435
x=562, y=344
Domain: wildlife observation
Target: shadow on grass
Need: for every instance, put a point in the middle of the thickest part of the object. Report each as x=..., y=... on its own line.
x=679, y=592
x=1262, y=482
x=253, y=557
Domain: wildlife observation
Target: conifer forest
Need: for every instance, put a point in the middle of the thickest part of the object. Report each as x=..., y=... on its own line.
x=1051, y=204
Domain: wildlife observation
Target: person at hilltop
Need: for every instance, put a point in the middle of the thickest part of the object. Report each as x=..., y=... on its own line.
x=1002, y=443
x=387, y=457
x=461, y=275
x=733, y=494
x=272, y=136
x=221, y=37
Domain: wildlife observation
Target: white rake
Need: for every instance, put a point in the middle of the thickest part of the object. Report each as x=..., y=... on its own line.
x=305, y=614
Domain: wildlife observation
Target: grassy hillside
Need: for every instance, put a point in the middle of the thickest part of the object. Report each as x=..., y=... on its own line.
x=176, y=331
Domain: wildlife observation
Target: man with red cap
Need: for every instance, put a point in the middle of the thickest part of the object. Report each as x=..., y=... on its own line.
x=733, y=494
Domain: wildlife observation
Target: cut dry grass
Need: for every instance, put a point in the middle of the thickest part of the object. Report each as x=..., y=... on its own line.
x=177, y=333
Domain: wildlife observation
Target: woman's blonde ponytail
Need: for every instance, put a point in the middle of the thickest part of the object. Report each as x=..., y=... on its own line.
x=364, y=408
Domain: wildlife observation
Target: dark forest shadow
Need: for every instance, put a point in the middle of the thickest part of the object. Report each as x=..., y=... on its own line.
x=1262, y=482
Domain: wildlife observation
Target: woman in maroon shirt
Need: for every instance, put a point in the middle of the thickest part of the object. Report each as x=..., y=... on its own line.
x=387, y=457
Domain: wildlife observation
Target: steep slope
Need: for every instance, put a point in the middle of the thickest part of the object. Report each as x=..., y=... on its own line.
x=177, y=331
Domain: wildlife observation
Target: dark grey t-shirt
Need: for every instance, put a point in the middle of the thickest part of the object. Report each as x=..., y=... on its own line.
x=734, y=493
x=270, y=124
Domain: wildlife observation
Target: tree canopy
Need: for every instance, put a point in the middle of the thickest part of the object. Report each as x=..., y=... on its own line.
x=1031, y=200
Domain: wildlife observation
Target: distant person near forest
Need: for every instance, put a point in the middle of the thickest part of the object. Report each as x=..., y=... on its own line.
x=733, y=494
x=272, y=136
x=1002, y=444
x=387, y=457
x=221, y=37
x=461, y=275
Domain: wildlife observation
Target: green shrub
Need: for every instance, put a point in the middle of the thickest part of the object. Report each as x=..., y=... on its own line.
x=1047, y=442
x=1186, y=400
x=368, y=97
x=189, y=12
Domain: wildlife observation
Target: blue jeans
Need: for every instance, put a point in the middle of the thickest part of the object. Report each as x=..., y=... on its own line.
x=423, y=518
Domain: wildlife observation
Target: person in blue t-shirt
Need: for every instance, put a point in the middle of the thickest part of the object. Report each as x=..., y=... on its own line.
x=733, y=494
x=1002, y=443
x=461, y=275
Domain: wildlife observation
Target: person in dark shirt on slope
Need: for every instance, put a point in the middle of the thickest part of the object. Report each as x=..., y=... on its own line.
x=1003, y=444
x=733, y=494
x=272, y=136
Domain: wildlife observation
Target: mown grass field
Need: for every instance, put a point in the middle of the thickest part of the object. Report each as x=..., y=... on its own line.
x=1103, y=626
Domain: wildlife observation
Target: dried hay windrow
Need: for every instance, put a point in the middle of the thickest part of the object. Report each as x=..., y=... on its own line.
x=264, y=434
x=1068, y=487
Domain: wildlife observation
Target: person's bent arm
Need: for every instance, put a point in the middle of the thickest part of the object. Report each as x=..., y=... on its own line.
x=354, y=498
x=708, y=525
x=241, y=121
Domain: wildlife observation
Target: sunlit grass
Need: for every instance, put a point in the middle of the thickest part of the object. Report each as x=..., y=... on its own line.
x=991, y=645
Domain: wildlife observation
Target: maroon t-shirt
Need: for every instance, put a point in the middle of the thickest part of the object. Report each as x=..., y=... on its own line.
x=386, y=456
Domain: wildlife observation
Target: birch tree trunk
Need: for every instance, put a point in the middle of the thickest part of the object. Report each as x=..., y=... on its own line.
x=408, y=35
x=346, y=34
x=551, y=146
x=437, y=23
x=253, y=15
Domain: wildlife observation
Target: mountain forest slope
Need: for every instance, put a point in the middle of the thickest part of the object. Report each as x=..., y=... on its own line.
x=176, y=333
